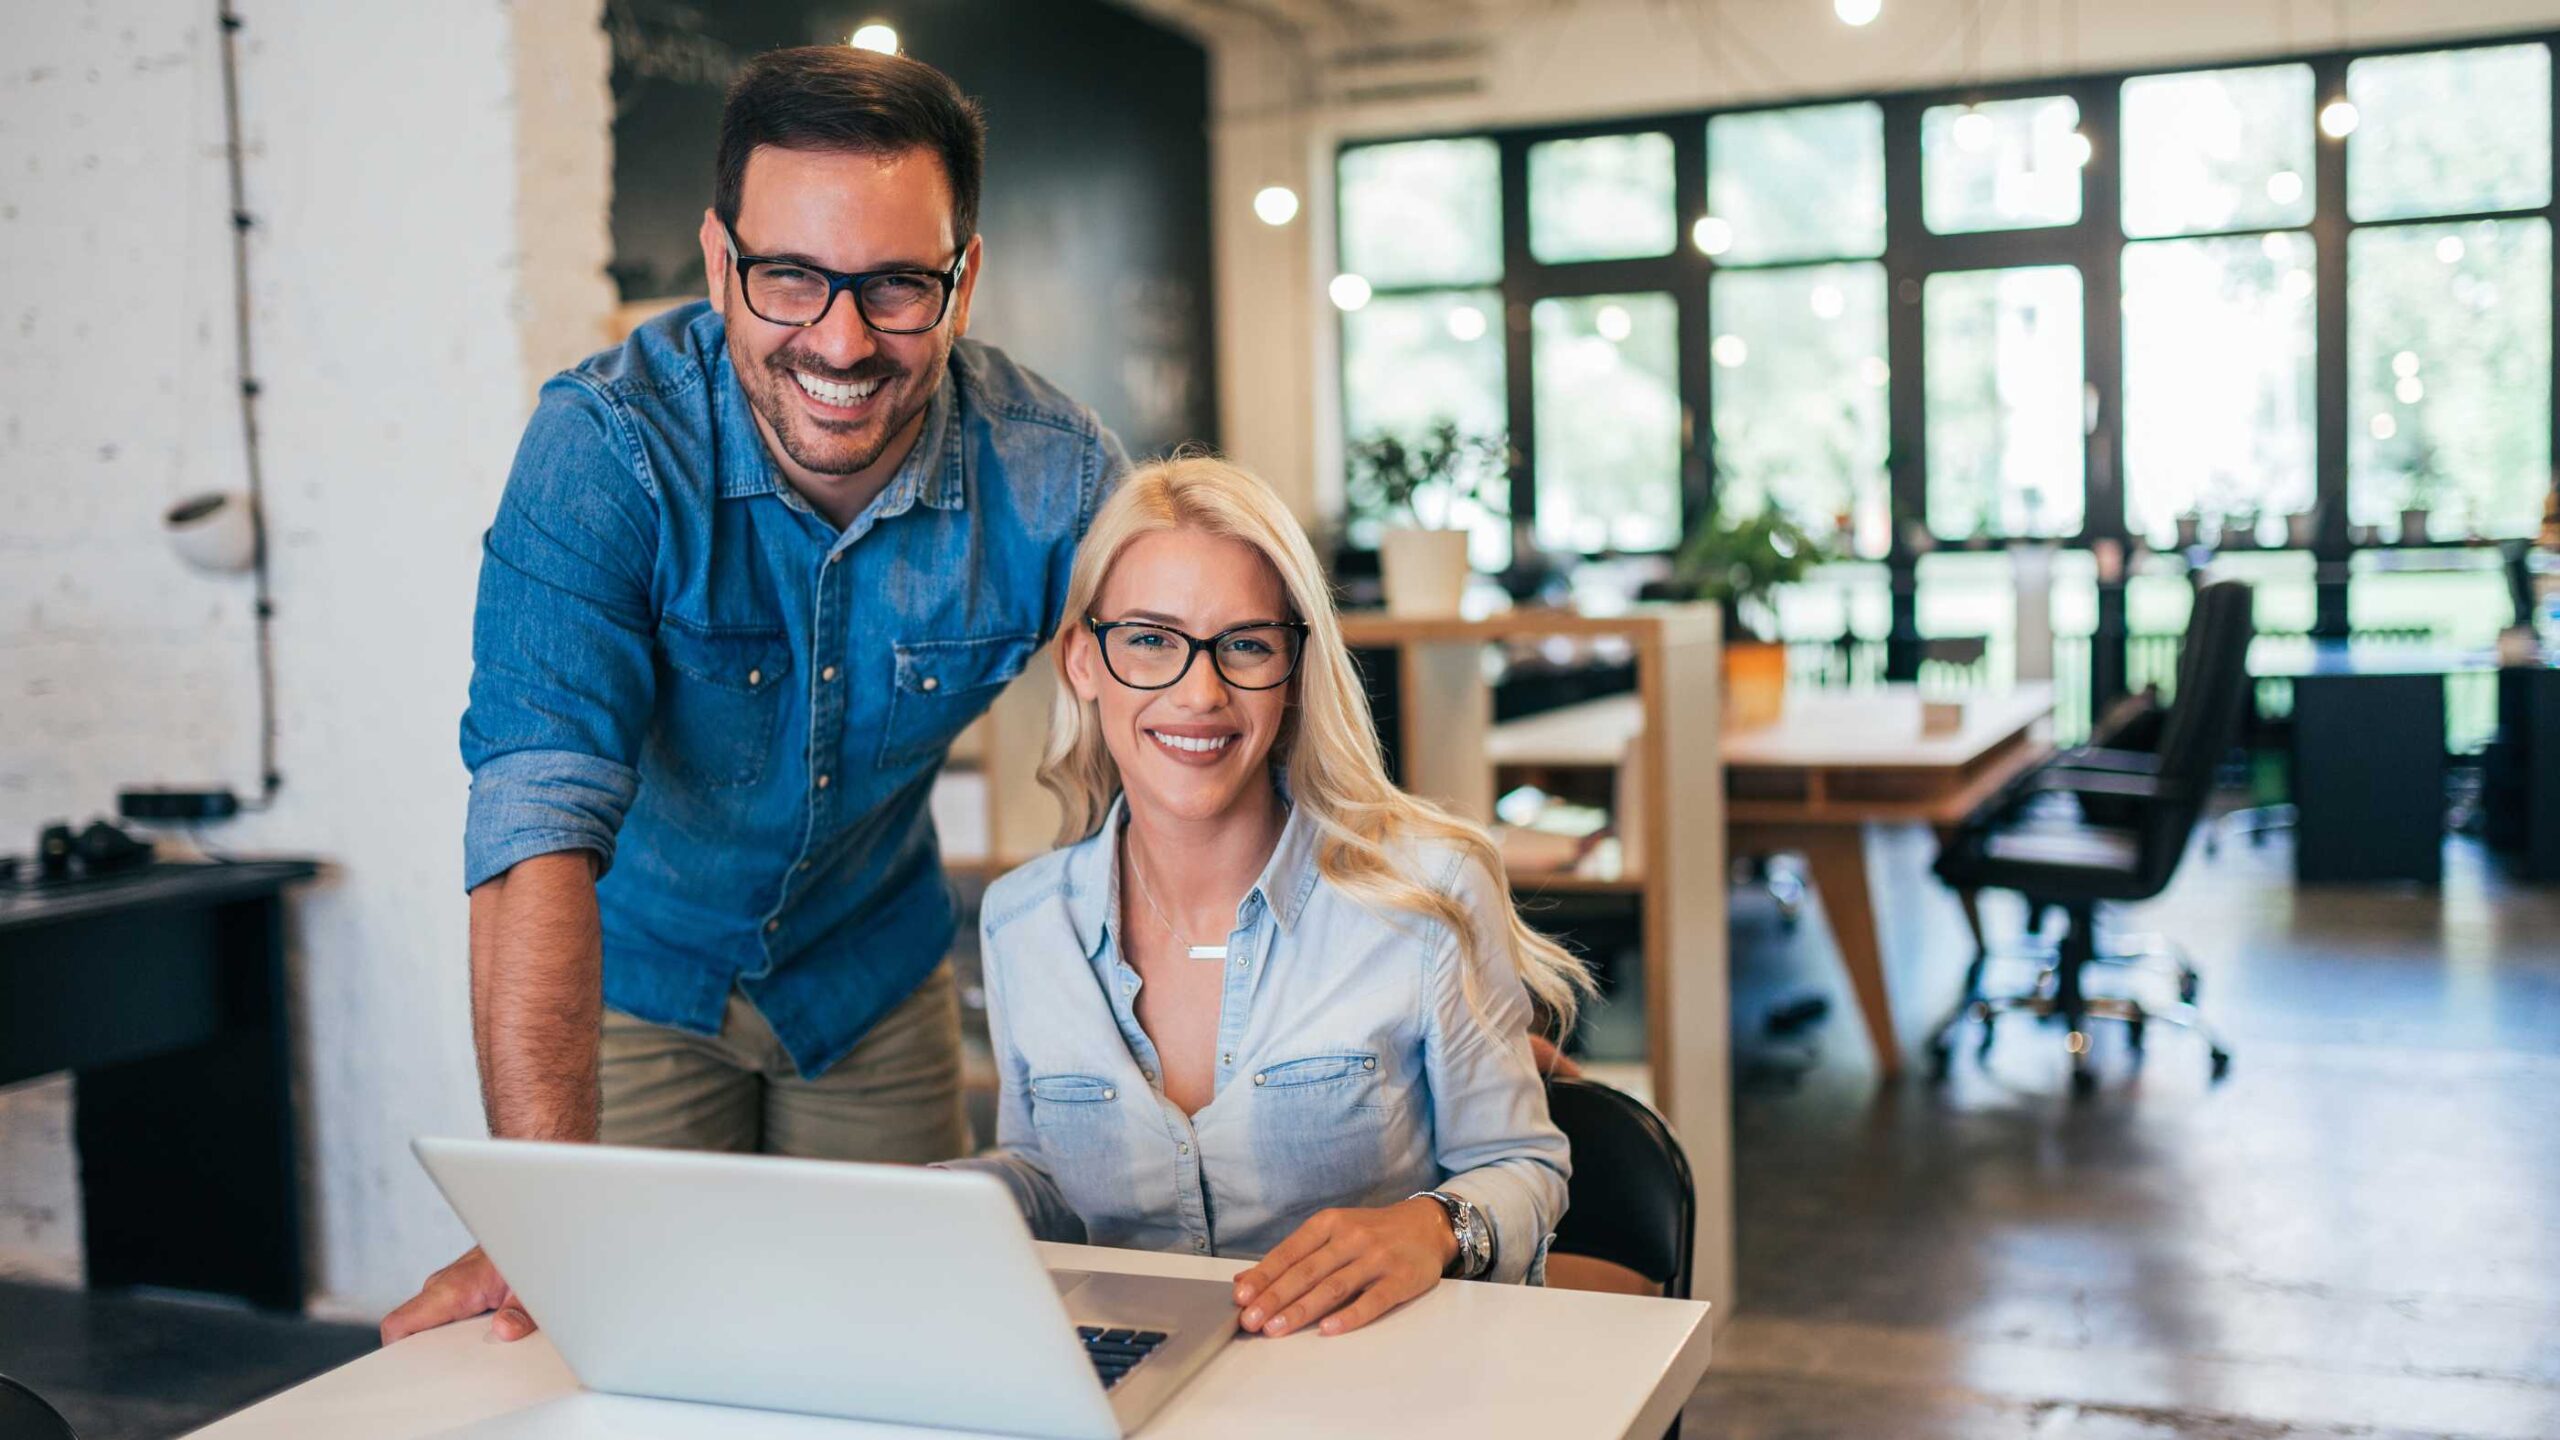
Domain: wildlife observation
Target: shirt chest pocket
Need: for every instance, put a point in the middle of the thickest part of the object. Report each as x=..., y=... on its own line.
x=1318, y=1121
x=719, y=701
x=938, y=686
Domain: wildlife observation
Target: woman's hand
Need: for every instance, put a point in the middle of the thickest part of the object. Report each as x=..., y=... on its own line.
x=467, y=1287
x=1345, y=1268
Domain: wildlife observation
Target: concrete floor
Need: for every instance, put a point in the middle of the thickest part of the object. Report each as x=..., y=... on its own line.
x=2358, y=1234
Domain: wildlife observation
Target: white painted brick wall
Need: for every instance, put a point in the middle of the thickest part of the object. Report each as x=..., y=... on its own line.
x=431, y=245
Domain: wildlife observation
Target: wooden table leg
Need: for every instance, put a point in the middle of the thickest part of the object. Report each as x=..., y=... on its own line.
x=1837, y=856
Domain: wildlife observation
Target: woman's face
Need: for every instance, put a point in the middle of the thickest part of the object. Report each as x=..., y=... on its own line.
x=1193, y=750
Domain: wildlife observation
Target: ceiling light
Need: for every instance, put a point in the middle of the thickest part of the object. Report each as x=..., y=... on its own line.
x=1730, y=351
x=1973, y=130
x=2410, y=390
x=875, y=36
x=1466, y=323
x=2079, y=148
x=2284, y=187
x=2449, y=250
x=1857, y=12
x=1711, y=235
x=1614, y=323
x=1349, y=292
x=2405, y=364
x=2338, y=119
x=1828, y=302
x=1275, y=204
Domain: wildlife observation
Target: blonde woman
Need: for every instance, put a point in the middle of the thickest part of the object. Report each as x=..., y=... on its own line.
x=1263, y=1003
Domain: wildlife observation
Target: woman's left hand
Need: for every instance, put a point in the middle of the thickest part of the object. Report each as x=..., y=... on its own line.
x=1345, y=1268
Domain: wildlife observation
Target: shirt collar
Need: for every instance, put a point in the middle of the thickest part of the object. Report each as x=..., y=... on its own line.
x=933, y=472
x=1287, y=881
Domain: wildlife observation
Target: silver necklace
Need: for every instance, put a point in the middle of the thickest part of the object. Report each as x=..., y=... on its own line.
x=1197, y=952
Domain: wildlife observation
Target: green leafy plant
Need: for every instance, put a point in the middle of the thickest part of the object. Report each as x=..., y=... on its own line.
x=1741, y=562
x=1422, y=479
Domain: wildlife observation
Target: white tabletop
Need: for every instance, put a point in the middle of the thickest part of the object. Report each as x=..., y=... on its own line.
x=1475, y=1361
x=1875, y=729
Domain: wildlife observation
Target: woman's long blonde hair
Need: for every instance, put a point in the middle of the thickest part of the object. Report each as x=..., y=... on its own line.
x=1328, y=744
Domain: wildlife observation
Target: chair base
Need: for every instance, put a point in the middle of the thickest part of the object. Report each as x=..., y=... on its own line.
x=2057, y=996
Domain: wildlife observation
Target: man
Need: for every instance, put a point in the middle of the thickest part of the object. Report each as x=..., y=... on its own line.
x=753, y=570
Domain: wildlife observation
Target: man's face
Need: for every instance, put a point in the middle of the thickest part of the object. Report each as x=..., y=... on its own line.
x=834, y=397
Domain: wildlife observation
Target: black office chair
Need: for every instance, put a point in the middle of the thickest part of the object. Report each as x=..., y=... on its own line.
x=2106, y=825
x=1631, y=1201
x=25, y=1416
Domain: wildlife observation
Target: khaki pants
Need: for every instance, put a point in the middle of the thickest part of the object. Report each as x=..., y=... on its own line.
x=895, y=1098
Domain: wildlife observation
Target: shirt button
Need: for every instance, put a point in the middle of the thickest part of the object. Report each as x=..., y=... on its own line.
x=1110, y=1094
x=772, y=925
x=825, y=780
x=1227, y=1059
x=804, y=864
x=1183, y=1148
x=833, y=558
x=1368, y=1064
x=755, y=677
x=827, y=674
x=1199, y=1244
x=1150, y=1074
x=929, y=684
x=1258, y=1079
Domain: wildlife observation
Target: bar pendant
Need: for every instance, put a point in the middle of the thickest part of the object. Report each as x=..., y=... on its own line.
x=1208, y=952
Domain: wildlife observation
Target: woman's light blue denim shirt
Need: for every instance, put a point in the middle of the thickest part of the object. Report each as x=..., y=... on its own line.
x=1351, y=1068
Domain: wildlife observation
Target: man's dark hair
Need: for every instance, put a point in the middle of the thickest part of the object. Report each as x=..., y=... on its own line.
x=835, y=97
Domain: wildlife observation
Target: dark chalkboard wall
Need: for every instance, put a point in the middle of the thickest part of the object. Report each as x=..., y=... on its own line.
x=1096, y=209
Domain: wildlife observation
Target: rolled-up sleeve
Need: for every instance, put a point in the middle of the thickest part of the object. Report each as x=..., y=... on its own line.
x=1494, y=1138
x=562, y=679
x=1016, y=1159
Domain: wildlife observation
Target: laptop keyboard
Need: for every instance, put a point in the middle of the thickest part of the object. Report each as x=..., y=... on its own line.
x=1115, y=1352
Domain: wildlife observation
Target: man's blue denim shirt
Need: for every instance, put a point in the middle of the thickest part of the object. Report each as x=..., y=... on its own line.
x=678, y=665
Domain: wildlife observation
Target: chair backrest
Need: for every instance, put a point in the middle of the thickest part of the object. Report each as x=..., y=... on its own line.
x=2203, y=721
x=1631, y=1201
x=25, y=1416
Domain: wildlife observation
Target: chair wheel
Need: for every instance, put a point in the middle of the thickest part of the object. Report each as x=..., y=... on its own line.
x=2188, y=985
x=1942, y=1053
x=2084, y=1081
x=2221, y=1063
x=2134, y=1034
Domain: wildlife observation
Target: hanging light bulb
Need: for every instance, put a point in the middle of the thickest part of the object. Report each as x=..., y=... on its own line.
x=1712, y=235
x=2077, y=148
x=1275, y=204
x=875, y=36
x=1973, y=129
x=1349, y=292
x=2338, y=118
x=1857, y=12
x=2284, y=187
x=1466, y=323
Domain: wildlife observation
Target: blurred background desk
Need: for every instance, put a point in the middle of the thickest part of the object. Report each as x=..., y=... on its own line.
x=2368, y=753
x=1836, y=762
x=163, y=991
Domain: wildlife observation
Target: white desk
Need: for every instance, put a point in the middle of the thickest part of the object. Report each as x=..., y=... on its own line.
x=1468, y=1361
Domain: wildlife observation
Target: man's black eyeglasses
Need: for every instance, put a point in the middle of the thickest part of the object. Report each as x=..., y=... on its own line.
x=796, y=293
x=1146, y=656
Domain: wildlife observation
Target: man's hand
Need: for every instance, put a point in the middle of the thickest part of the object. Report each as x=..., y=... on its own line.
x=1345, y=1268
x=467, y=1287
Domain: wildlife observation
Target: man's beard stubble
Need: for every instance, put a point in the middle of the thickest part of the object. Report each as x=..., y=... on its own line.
x=786, y=418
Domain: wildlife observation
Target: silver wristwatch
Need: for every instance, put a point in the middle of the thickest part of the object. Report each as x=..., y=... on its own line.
x=1475, y=1238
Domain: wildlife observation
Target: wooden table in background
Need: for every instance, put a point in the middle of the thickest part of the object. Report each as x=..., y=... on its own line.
x=1836, y=762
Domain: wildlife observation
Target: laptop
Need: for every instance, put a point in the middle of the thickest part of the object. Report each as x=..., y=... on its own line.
x=873, y=1292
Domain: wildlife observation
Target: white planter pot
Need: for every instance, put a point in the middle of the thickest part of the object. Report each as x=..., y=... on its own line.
x=1425, y=571
x=2413, y=526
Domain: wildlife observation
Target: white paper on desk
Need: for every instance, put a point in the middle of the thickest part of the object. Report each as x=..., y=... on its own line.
x=589, y=1415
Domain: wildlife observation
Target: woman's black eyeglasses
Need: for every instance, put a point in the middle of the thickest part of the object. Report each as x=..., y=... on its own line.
x=798, y=294
x=1146, y=656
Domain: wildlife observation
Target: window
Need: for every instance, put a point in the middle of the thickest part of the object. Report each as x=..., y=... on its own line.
x=2003, y=165
x=2217, y=379
x=2216, y=151
x=2005, y=402
x=2449, y=354
x=1608, y=417
x=1427, y=212
x=2450, y=132
x=1605, y=198
x=1800, y=390
x=1805, y=184
x=1410, y=361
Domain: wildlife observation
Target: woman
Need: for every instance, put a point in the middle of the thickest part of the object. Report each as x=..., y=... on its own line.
x=1264, y=1003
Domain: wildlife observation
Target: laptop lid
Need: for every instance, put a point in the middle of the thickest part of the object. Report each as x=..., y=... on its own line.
x=878, y=1292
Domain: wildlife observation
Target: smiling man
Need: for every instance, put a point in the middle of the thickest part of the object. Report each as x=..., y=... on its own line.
x=753, y=570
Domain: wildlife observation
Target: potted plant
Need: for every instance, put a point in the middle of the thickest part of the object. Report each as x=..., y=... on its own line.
x=2190, y=528
x=1739, y=563
x=1414, y=488
x=2240, y=528
x=2423, y=480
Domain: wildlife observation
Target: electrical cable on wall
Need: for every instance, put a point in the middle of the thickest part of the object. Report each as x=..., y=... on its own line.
x=269, y=778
